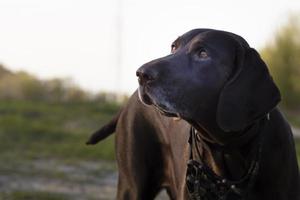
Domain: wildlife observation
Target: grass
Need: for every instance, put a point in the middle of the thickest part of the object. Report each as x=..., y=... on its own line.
x=293, y=117
x=32, y=130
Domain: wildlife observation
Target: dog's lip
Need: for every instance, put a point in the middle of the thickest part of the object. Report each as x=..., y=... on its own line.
x=146, y=99
x=166, y=113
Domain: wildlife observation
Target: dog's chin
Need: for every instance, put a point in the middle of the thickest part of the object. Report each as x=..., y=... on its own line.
x=148, y=101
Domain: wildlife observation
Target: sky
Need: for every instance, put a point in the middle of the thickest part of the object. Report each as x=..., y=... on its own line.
x=100, y=44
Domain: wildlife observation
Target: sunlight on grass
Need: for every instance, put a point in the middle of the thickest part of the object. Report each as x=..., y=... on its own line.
x=39, y=130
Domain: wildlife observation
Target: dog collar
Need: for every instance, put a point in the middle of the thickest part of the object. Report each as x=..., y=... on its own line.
x=203, y=183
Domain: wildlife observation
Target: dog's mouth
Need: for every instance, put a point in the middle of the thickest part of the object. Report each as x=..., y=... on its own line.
x=146, y=99
x=167, y=113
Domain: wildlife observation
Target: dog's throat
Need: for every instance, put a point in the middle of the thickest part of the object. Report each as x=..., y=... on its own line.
x=229, y=159
x=223, y=172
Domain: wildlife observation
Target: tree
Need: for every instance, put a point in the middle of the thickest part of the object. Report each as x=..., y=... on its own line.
x=282, y=56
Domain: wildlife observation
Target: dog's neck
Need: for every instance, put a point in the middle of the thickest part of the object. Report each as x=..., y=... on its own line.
x=228, y=154
x=215, y=135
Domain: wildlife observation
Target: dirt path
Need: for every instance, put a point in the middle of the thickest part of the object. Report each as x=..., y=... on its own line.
x=76, y=181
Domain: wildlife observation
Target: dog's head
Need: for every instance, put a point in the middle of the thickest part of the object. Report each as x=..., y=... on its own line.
x=213, y=75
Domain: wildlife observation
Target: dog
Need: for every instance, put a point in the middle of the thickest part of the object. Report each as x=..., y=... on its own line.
x=218, y=86
x=151, y=151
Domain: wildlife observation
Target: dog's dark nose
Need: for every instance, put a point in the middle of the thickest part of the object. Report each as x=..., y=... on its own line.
x=145, y=76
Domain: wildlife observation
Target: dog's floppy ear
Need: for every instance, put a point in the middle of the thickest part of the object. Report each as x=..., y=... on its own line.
x=249, y=95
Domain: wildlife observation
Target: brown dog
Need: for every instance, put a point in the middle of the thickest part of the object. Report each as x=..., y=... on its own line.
x=220, y=86
x=151, y=151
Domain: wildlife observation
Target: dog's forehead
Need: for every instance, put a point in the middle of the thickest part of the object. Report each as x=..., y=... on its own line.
x=210, y=34
x=188, y=36
x=213, y=38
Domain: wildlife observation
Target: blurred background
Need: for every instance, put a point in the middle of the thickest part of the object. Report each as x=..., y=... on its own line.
x=66, y=66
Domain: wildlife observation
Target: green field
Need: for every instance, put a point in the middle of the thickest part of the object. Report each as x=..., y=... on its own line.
x=30, y=130
x=44, y=144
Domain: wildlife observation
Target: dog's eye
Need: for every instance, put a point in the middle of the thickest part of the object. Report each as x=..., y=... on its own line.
x=173, y=48
x=202, y=54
